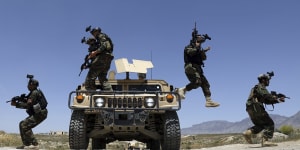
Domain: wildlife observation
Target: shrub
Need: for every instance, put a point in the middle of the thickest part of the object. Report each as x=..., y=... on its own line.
x=286, y=129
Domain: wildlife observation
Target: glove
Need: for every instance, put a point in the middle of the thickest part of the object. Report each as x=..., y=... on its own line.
x=93, y=54
x=281, y=99
x=13, y=103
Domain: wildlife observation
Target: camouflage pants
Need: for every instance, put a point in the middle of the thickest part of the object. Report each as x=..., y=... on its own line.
x=28, y=123
x=262, y=121
x=197, y=79
x=99, y=70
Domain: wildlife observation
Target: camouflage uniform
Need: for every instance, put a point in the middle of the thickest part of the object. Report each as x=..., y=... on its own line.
x=100, y=65
x=32, y=120
x=255, y=107
x=193, y=59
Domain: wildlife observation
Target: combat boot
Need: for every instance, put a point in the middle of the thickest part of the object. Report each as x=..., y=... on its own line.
x=20, y=147
x=248, y=136
x=32, y=147
x=211, y=103
x=181, y=92
x=266, y=143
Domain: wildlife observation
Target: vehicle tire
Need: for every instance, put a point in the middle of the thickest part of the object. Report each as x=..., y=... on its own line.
x=171, y=138
x=77, y=131
x=98, y=143
x=153, y=144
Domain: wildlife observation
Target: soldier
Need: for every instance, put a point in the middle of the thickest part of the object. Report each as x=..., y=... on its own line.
x=194, y=55
x=259, y=95
x=35, y=104
x=101, y=58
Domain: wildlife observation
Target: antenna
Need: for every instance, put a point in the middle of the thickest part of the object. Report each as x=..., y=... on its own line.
x=151, y=61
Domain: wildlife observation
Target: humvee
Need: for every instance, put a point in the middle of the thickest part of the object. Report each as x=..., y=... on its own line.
x=137, y=109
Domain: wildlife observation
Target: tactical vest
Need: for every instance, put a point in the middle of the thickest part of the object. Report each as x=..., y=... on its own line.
x=102, y=38
x=40, y=104
x=195, y=59
x=253, y=103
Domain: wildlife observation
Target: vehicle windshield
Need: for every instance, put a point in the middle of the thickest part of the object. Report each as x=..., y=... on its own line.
x=139, y=88
x=144, y=88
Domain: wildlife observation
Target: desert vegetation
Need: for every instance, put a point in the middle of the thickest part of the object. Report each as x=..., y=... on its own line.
x=60, y=142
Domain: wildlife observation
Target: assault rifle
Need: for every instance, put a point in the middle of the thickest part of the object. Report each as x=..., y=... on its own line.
x=17, y=99
x=86, y=64
x=93, y=45
x=92, y=42
x=195, y=34
x=279, y=95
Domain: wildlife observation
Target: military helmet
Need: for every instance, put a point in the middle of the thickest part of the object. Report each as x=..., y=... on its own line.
x=90, y=40
x=268, y=76
x=33, y=82
x=263, y=76
x=96, y=29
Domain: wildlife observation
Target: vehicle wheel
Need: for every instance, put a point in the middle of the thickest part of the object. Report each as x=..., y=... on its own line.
x=77, y=131
x=171, y=138
x=98, y=143
x=153, y=144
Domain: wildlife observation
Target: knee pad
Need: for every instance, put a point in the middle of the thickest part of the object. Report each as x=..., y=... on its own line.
x=189, y=69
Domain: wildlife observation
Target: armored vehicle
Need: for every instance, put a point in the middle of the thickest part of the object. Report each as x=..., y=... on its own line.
x=137, y=109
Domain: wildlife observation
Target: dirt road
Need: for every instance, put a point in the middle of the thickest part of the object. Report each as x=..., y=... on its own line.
x=290, y=145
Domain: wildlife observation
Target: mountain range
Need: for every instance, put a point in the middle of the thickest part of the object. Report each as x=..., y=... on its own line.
x=222, y=126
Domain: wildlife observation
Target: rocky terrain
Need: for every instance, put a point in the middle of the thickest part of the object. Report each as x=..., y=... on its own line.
x=205, y=136
x=203, y=142
x=223, y=126
x=289, y=145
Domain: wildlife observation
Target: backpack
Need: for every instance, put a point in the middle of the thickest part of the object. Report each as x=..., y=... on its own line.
x=43, y=101
x=110, y=42
x=103, y=38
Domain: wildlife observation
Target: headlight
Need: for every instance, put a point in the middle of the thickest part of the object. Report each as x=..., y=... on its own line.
x=99, y=102
x=149, y=102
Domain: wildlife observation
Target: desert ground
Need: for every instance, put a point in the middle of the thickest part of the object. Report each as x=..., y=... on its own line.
x=289, y=145
x=201, y=142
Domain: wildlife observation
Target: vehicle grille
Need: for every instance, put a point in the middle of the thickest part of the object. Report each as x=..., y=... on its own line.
x=125, y=102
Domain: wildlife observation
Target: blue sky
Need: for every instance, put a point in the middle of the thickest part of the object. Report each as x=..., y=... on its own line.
x=248, y=38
